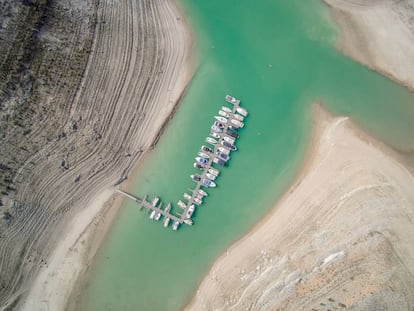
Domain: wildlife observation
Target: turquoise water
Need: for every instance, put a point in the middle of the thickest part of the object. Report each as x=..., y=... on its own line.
x=276, y=56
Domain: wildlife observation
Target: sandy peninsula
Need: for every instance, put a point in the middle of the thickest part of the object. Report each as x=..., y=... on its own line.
x=138, y=67
x=378, y=34
x=339, y=239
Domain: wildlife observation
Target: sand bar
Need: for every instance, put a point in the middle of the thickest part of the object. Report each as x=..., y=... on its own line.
x=339, y=238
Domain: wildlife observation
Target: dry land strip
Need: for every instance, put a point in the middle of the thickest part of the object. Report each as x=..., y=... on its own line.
x=94, y=83
x=340, y=239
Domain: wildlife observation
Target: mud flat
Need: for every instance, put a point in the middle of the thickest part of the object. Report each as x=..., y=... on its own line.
x=137, y=69
x=378, y=34
x=339, y=239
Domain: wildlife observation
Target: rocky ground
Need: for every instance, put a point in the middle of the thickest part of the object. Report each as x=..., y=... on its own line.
x=86, y=86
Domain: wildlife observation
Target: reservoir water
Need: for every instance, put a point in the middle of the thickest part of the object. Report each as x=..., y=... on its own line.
x=277, y=57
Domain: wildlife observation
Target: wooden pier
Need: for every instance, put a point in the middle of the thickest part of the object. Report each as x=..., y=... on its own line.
x=155, y=209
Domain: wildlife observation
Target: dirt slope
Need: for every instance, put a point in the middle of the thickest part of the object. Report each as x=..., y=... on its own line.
x=81, y=145
x=340, y=239
x=379, y=34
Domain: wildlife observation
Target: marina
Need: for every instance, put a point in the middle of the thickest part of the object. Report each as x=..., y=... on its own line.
x=224, y=132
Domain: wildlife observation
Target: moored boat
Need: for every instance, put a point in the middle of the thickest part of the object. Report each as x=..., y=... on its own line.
x=176, y=225
x=188, y=221
x=202, y=192
x=195, y=177
x=229, y=139
x=208, y=183
x=221, y=119
x=214, y=171
x=198, y=201
x=237, y=123
x=211, y=176
x=232, y=99
x=228, y=145
x=216, y=129
x=226, y=109
x=232, y=133
x=181, y=204
x=222, y=155
x=158, y=216
x=242, y=111
x=206, y=149
x=224, y=150
x=198, y=166
x=203, y=155
x=166, y=222
x=187, y=196
x=211, y=140
x=215, y=135
x=238, y=117
x=152, y=214
x=219, y=161
x=218, y=124
x=224, y=114
x=201, y=160
x=190, y=211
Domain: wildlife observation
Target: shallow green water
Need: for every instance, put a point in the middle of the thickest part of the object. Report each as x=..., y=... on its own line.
x=145, y=267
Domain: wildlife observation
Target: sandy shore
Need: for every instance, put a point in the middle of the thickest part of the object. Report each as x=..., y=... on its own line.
x=340, y=238
x=378, y=34
x=134, y=112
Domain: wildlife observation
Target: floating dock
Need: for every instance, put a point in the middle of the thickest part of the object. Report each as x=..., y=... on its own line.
x=154, y=207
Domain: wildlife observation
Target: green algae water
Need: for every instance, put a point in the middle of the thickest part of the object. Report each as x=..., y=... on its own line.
x=277, y=57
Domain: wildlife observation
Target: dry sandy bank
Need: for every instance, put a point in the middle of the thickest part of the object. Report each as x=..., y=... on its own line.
x=379, y=34
x=138, y=69
x=341, y=238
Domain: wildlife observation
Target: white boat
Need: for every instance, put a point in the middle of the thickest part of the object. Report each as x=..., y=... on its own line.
x=152, y=215
x=181, y=204
x=226, y=109
x=155, y=201
x=195, y=177
x=203, y=155
x=219, y=125
x=221, y=119
x=228, y=145
x=166, y=222
x=238, y=117
x=215, y=135
x=242, y=111
x=219, y=161
x=158, y=216
x=176, y=225
x=222, y=155
x=198, y=201
x=229, y=139
x=211, y=140
x=187, y=196
x=206, y=149
x=232, y=100
x=202, y=192
x=216, y=129
x=224, y=114
x=190, y=211
x=237, y=123
x=211, y=176
x=198, y=166
x=208, y=183
x=201, y=160
x=213, y=171
x=188, y=222
x=224, y=150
